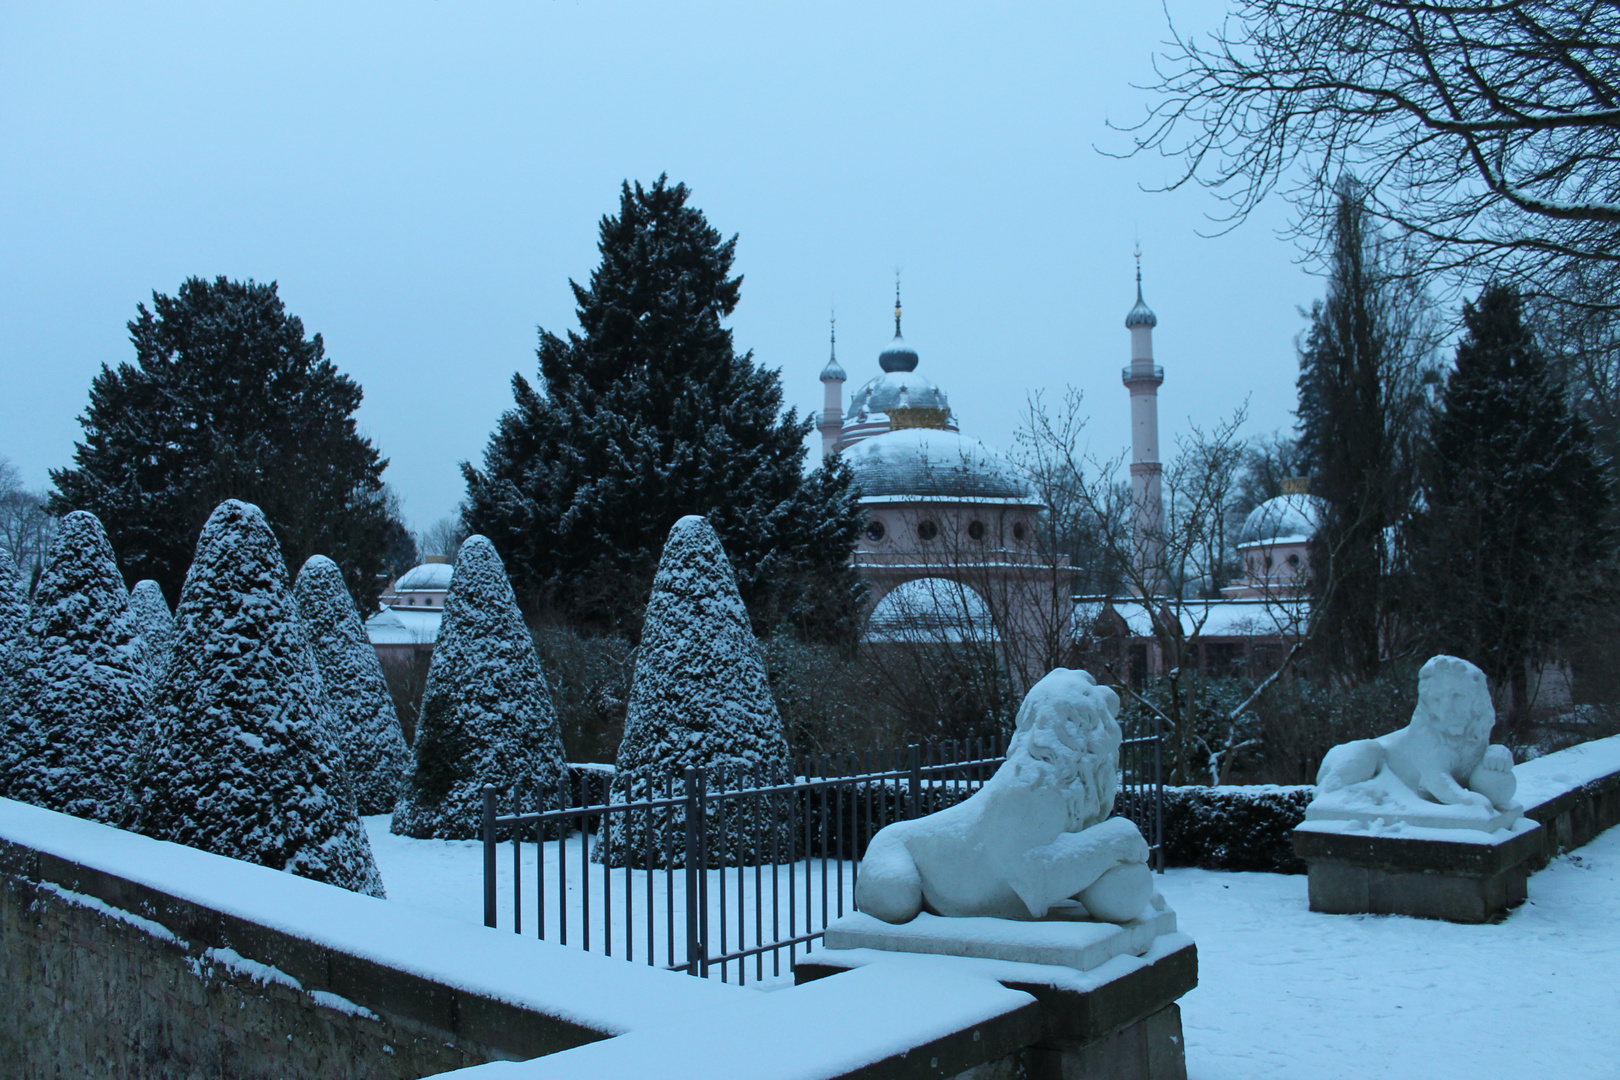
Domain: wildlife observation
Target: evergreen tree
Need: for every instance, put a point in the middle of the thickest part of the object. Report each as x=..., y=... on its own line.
x=648, y=414
x=700, y=698
x=241, y=760
x=82, y=696
x=366, y=724
x=486, y=715
x=227, y=399
x=154, y=627
x=1360, y=401
x=1513, y=548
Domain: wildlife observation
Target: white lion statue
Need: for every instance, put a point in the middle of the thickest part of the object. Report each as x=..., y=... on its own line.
x=1036, y=840
x=1444, y=755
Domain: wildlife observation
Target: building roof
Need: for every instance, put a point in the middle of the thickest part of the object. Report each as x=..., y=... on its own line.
x=933, y=465
x=899, y=389
x=429, y=577
x=405, y=626
x=1287, y=518
x=1210, y=618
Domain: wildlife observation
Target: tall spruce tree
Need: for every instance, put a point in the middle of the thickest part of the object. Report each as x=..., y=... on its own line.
x=648, y=414
x=1513, y=547
x=699, y=698
x=241, y=760
x=486, y=715
x=154, y=625
x=366, y=724
x=227, y=399
x=1360, y=402
x=83, y=694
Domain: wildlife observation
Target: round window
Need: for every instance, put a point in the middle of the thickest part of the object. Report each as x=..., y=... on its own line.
x=875, y=530
x=1293, y=560
x=411, y=601
x=1018, y=530
x=976, y=530
x=927, y=530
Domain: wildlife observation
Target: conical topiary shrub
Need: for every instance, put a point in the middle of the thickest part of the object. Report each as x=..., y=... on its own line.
x=486, y=716
x=364, y=720
x=241, y=760
x=83, y=691
x=154, y=627
x=16, y=736
x=700, y=698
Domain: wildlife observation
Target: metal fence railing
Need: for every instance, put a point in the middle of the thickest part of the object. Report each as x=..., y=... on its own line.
x=720, y=873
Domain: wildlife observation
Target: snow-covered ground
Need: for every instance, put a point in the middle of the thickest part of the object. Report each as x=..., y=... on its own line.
x=1287, y=993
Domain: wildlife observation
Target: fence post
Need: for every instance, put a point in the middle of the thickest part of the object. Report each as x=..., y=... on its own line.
x=694, y=943
x=489, y=854
x=1158, y=791
x=914, y=763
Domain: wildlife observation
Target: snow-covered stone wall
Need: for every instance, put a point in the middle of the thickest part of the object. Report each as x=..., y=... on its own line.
x=127, y=956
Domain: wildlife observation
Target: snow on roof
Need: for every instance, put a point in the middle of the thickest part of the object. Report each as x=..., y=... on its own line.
x=1218, y=618
x=930, y=610
x=429, y=577
x=928, y=462
x=1287, y=518
x=404, y=626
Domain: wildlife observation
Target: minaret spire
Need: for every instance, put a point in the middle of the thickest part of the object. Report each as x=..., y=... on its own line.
x=897, y=303
x=1142, y=378
x=831, y=421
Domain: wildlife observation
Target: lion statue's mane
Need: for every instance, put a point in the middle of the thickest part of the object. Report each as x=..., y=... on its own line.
x=1037, y=836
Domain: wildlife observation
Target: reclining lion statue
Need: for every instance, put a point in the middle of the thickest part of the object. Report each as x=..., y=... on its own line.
x=1037, y=839
x=1444, y=755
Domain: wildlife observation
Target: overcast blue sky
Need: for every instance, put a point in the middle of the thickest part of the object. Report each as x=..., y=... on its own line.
x=423, y=178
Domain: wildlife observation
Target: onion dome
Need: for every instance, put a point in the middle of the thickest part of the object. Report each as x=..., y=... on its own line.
x=1283, y=519
x=898, y=356
x=1141, y=314
x=927, y=464
x=834, y=371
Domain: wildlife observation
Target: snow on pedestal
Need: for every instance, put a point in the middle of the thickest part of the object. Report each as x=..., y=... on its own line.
x=154, y=626
x=1438, y=772
x=365, y=722
x=487, y=716
x=81, y=694
x=240, y=759
x=699, y=699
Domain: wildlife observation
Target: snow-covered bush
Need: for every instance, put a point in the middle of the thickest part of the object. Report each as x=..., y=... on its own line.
x=241, y=759
x=364, y=720
x=80, y=697
x=1244, y=827
x=154, y=626
x=13, y=618
x=699, y=698
x=487, y=716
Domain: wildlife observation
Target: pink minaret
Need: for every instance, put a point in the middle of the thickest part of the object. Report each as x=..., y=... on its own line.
x=1142, y=379
x=831, y=424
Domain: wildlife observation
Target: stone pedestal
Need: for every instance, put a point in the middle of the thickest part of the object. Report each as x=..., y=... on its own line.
x=1459, y=875
x=1106, y=994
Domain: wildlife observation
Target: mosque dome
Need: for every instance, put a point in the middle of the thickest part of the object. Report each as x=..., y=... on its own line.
x=897, y=390
x=1285, y=518
x=429, y=577
x=833, y=372
x=898, y=356
x=931, y=610
x=931, y=464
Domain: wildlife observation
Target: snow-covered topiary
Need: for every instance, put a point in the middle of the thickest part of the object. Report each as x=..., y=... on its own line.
x=16, y=742
x=364, y=719
x=699, y=698
x=154, y=626
x=241, y=760
x=486, y=716
x=81, y=693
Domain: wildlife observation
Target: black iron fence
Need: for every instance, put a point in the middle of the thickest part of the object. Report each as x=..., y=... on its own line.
x=719, y=874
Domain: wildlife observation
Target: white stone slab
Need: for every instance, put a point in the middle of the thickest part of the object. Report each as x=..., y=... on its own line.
x=1384, y=799
x=1408, y=831
x=1081, y=945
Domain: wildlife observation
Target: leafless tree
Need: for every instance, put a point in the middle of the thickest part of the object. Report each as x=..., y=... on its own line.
x=1488, y=132
x=442, y=538
x=26, y=527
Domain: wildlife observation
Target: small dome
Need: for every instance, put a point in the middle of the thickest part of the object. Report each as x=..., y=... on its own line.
x=931, y=610
x=928, y=463
x=833, y=372
x=1287, y=517
x=898, y=356
x=429, y=577
x=1141, y=314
